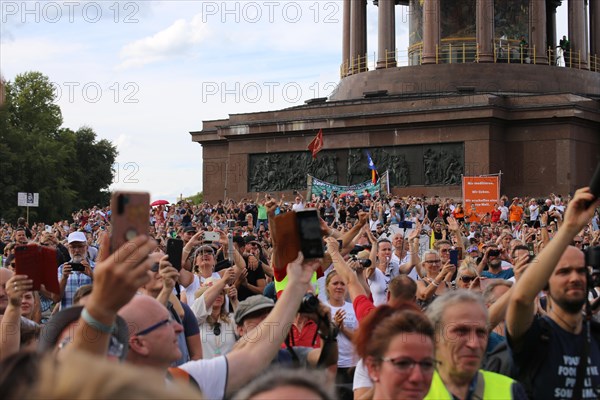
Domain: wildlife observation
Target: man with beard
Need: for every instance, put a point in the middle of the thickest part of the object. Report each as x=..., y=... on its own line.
x=491, y=259
x=568, y=338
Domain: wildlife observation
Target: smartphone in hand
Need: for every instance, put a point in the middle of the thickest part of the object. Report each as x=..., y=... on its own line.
x=174, y=251
x=39, y=264
x=130, y=217
x=454, y=257
x=309, y=229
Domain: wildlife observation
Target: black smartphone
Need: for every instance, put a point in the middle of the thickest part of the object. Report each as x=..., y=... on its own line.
x=454, y=257
x=174, y=251
x=309, y=230
x=595, y=183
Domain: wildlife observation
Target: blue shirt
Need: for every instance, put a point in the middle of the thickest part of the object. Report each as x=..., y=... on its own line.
x=504, y=274
x=74, y=282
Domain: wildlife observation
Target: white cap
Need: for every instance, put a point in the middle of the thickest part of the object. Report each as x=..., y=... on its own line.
x=77, y=237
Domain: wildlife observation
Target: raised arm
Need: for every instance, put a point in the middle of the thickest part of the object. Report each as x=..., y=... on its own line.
x=521, y=307
x=355, y=289
x=10, y=326
x=265, y=340
x=413, y=243
x=116, y=280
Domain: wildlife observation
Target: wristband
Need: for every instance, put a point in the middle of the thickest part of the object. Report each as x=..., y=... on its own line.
x=94, y=323
x=332, y=337
x=435, y=284
x=542, y=225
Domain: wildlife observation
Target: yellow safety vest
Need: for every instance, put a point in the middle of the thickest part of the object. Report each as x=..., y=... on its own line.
x=280, y=285
x=496, y=387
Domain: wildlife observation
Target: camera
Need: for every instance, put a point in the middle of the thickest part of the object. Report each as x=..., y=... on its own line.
x=310, y=304
x=494, y=253
x=364, y=262
x=78, y=267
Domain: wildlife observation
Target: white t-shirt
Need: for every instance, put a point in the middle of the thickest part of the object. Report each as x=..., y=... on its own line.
x=503, y=213
x=534, y=212
x=213, y=345
x=361, y=377
x=377, y=284
x=346, y=355
x=395, y=262
x=210, y=374
x=190, y=291
x=298, y=206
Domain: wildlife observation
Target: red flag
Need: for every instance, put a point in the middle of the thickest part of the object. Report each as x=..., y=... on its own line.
x=317, y=144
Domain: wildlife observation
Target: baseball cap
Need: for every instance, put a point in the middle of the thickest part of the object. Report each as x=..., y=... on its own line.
x=189, y=229
x=52, y=330
x=250, y=305
x=76, y=237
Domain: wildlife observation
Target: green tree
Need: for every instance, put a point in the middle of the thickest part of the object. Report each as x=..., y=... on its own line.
x=70, y=170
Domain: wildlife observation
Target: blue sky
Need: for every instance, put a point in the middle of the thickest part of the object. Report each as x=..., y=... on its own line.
x=143, y=74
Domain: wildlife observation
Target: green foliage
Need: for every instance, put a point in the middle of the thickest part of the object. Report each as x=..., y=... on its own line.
x=70, y=170
x=198, y=198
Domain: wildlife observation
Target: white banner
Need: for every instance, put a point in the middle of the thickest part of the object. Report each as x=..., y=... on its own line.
x=28, y=199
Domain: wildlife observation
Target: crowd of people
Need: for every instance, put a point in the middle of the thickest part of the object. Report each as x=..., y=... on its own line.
x=414, y=298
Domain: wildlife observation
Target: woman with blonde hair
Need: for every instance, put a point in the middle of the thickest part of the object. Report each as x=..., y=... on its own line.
x=467, y=276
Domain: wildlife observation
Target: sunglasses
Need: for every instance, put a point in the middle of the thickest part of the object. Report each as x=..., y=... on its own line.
x=467, y=279
x=217, y=329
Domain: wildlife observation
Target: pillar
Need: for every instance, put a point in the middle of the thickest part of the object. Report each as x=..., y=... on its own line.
x=537, y=37
x=576, y=36
x=595, y=33
x=431, y=30
x=358, y=43
x=386, y=34
x=551, y=23
x=485, y=30
x=346, y=38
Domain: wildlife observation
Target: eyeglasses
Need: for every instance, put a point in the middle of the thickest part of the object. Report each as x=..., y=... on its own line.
x=217, y=329
x=444, y=250
x=467, y=279
x=406, y=364
x=154, y=327
x=577, y=241
x=433, y=261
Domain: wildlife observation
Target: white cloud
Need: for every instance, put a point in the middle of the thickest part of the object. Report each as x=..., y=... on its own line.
x=177, y=39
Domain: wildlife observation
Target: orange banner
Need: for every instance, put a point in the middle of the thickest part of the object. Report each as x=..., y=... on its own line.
x=483, y=191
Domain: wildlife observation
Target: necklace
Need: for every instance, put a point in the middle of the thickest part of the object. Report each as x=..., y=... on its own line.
x=571, y=328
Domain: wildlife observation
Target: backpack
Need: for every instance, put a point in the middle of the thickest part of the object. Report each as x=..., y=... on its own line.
x=500, y=359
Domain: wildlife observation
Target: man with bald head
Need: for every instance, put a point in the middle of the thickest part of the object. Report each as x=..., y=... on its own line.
x=153, y=338
x=562, y=270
